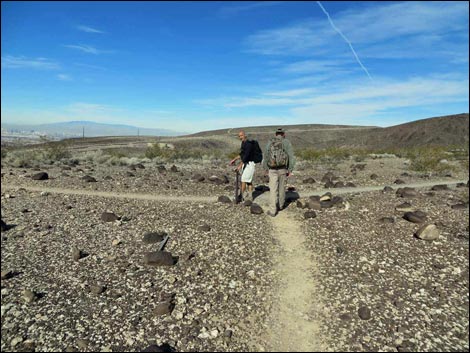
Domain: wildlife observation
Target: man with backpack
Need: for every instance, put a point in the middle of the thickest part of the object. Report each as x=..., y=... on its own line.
x=250, y=153
x=279, y=160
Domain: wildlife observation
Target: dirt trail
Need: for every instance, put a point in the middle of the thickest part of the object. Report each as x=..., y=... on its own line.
x=293, y=323
x=293, y=327
x=263, y=199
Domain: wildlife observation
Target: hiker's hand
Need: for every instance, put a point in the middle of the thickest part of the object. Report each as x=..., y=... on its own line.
x=232, y=162
x=289, y=174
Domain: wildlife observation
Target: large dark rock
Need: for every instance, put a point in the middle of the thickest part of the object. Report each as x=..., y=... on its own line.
x=460, y=206
x=4, y=226
x=163, y=309
x=256, y=209
x=109, y=217
x=314, y=204
x=310, y=214
x=407, y=192
x=204, y=228
x=198, y=177
x=309, y=181
x=40, y=176
x=415, y=217
x=154, y=237
x=364, y=313
x=224, y=199
x=440, y=187
x=89, y=179
x=159, y=258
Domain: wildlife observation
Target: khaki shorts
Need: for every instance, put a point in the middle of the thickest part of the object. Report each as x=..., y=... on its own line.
x=248, y=172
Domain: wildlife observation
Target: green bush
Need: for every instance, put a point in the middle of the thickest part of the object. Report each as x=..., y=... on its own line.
x=330, y=154
x=24, y=158
x=56, y=150
x=180, y=153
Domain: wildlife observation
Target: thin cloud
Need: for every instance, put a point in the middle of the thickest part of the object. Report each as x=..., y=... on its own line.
x=88, y=66
x=373, y=27
x=87, y=49
x=228, y=11
x=64, y=77
x=21, y=62
x=345, y=39
x=89, y=29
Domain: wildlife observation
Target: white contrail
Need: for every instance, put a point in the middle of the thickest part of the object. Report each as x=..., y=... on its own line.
x=344, y=37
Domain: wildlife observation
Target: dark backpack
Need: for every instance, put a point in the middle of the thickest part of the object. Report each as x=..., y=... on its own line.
x=256, y=153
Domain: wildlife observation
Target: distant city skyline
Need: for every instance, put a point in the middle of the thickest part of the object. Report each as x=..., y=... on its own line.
x=194, y=66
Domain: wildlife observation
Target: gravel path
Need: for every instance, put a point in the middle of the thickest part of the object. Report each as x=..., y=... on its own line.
x=291, y=328
x=353, y=278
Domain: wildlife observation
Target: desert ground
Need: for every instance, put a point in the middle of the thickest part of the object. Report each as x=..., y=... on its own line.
x=381, y=263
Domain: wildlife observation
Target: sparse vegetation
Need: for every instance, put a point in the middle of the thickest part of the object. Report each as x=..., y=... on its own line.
x=56, y=151
x=330, y=154
x=181, y=153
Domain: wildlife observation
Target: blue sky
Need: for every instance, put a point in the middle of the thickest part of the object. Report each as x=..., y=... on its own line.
x=193, y=66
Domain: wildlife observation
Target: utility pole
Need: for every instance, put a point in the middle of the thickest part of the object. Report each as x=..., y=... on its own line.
x=83, y=132
x=138, y=132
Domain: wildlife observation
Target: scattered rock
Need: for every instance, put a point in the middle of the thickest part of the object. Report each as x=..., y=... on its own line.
x=154, y=237
x=387, y=220
x=89, y=179
x=109, y=217
x=440, y=187
x=460, y=206
x=198, y=177
x=159, y=258
x=77, y=254
x=314, y=204
x=97, y=289
x=40, y=176
x=428, y=232
x=4, y=226
x=224, y=199
x=326, y=197
x=404, y=207
x=407, y=192
x=309, y=180
x=374, y=176
x=387, y=189
x=6, y=274
x=399, y=181
x=256, y=209
x=415, y=217
x=310, y=214
x=29, y=296
x=364, y=313
x=204, y=228
x=164, y=308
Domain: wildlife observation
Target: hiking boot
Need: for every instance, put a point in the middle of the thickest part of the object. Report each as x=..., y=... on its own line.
x=269, y=213
x=249, y=197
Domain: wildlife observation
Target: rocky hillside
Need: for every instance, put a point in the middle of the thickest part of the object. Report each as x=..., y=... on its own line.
x=443, y=131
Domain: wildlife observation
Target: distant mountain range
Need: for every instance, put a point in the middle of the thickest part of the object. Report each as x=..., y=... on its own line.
x=92, y=129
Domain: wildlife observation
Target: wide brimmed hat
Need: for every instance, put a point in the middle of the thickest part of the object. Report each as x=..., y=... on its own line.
x=280, y=131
